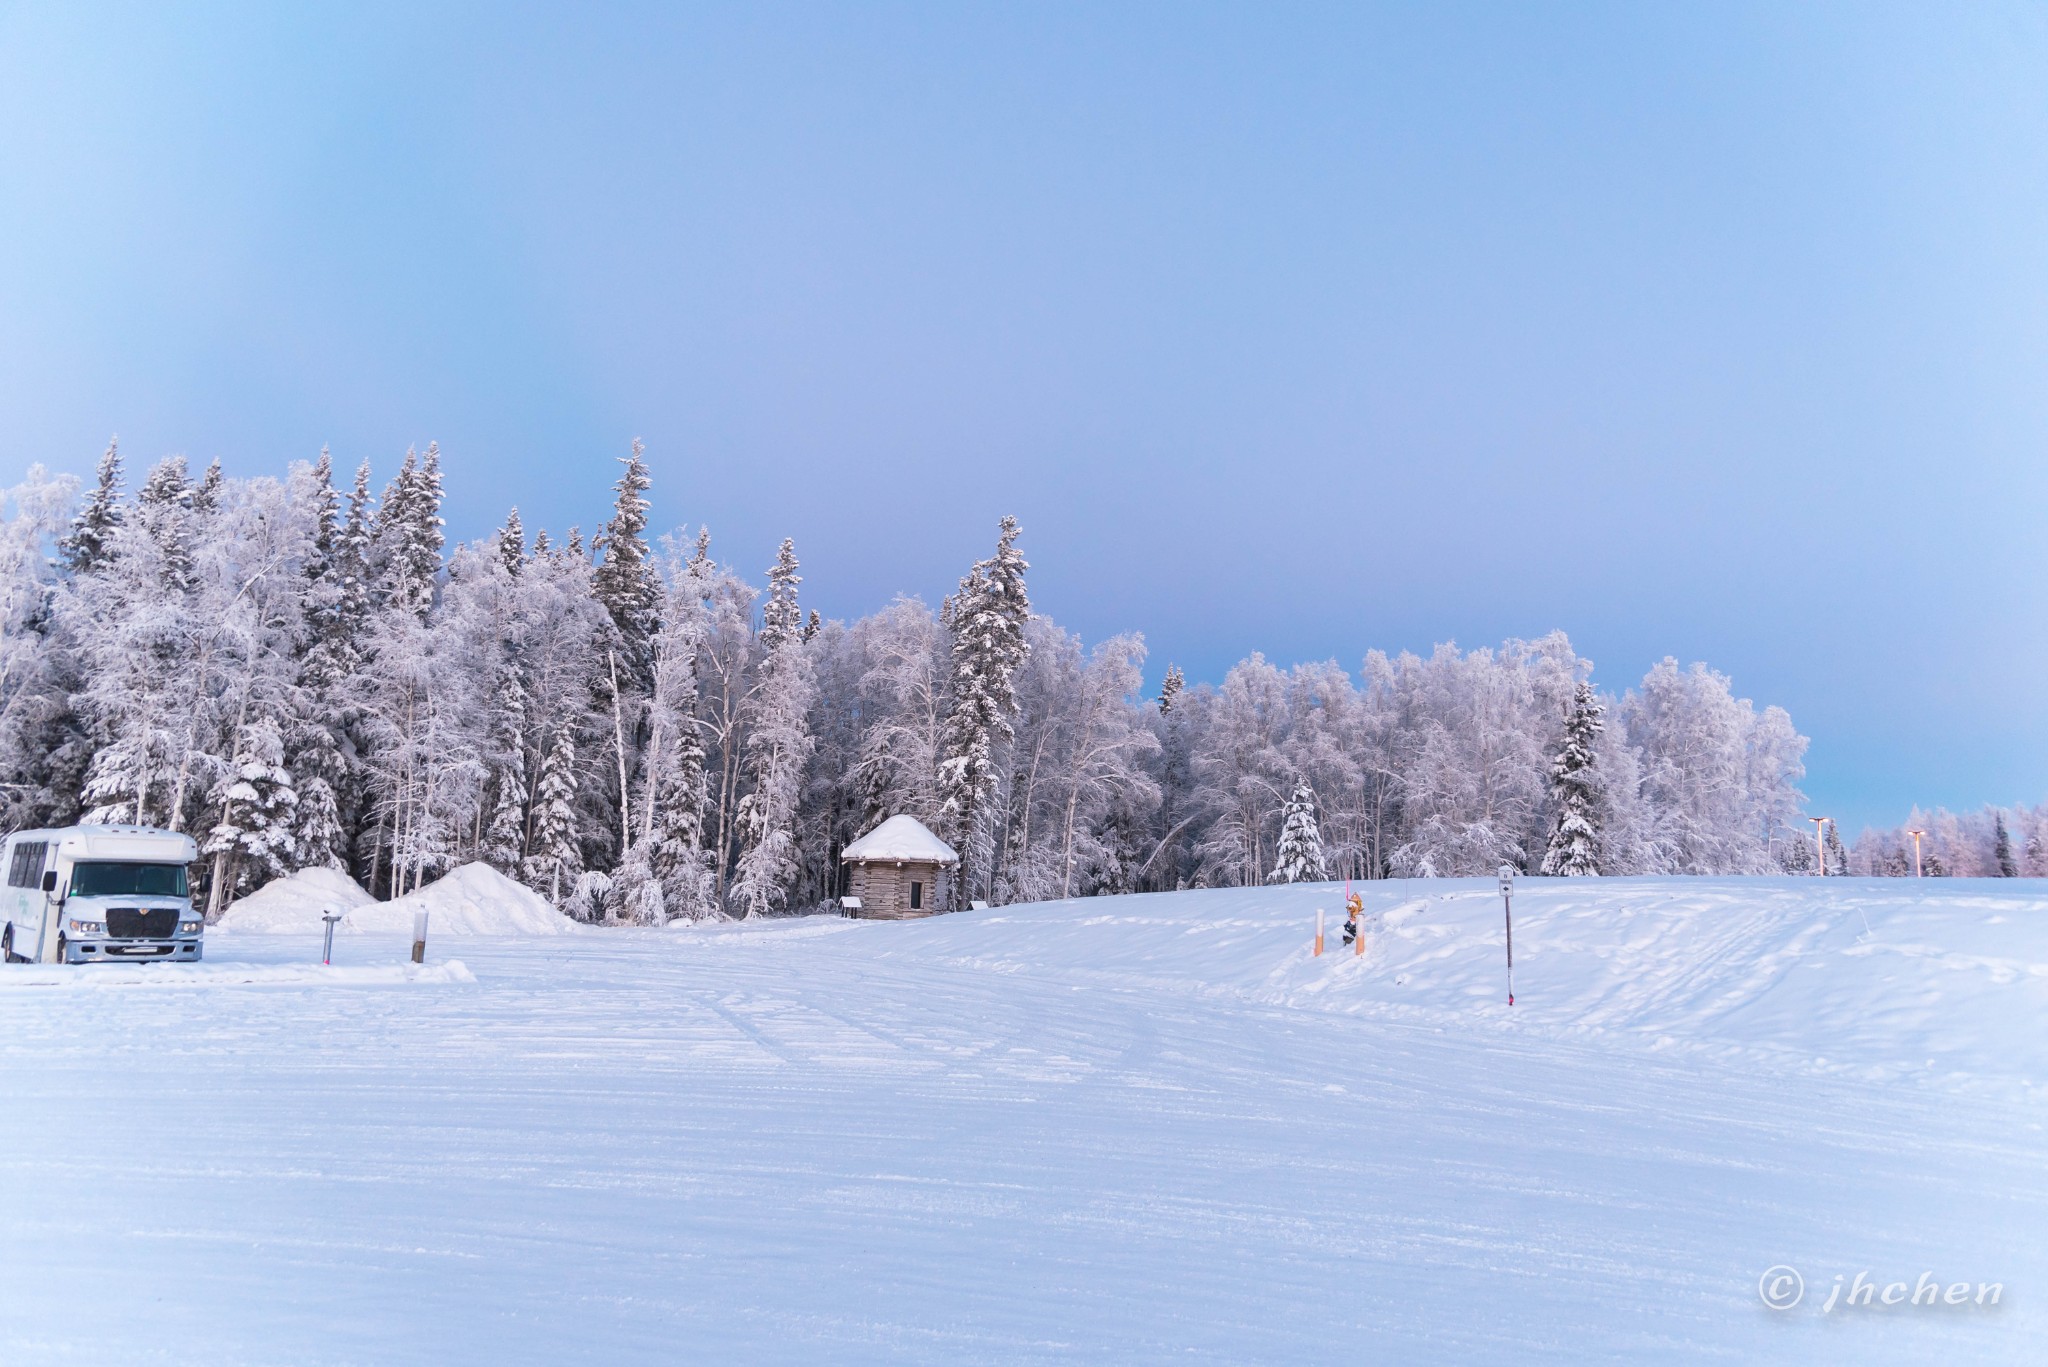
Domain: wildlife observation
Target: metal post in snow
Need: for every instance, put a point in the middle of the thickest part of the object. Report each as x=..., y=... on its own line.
x=1319, y=933
x=419, y=937
x=1916, y=850
x=1820, y=851
x=327, y=949
x=1507, y=906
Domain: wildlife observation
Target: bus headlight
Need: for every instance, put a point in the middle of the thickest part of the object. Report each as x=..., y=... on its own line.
x=191, y=927
x=86, y=927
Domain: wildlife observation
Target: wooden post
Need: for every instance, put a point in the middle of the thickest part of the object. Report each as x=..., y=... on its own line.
x=1319, y=933
x=419, y=937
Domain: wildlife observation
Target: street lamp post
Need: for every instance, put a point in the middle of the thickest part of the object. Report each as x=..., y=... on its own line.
x=1916, y=850
x=1820, y=851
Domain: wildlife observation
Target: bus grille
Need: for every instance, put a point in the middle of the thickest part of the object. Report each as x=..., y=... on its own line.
x=128, y=923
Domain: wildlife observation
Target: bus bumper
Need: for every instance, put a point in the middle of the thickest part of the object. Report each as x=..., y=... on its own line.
x=132, y=951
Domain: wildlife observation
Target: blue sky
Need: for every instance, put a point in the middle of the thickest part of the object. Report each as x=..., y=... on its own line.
x=1717, y=332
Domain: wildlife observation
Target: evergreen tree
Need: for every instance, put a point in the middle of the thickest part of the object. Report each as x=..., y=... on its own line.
x=88, y=544
x=131, y=622
x=987, y=619
x=1301, y=842
x=252, y=842
x=206, y=494
x=164, y=508
x=506, y=835
x=777, y=746
x=625, y=581
x=314, y=751
x=1170, y=689
x=409, y=538
x=552, y=866
x=675, y=805
x=1575, y=792
x=512, y=544
x=636, y=895
x=2001, y=849
x=1837, y=852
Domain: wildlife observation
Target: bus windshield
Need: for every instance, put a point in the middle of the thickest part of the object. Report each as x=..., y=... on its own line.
x=104, y=878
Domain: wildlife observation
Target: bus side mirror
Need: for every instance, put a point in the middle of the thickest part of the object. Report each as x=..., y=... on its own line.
x=50, y=881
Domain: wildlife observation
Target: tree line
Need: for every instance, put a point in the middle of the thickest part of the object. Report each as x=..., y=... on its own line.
x=302, y=674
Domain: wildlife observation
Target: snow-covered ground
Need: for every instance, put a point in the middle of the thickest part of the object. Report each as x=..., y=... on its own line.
x=1119, y=1130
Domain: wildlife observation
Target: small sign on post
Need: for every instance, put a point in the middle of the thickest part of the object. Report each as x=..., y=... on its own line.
x=327, y=948
x=1507, y=905
x=419, y=937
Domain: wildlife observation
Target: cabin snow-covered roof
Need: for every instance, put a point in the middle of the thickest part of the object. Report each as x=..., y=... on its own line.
x=901, y=837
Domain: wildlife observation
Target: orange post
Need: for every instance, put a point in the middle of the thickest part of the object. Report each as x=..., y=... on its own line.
x=1319, y=932
x=1355, y=904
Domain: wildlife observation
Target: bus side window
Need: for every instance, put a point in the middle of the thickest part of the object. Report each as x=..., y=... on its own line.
x=17, y=866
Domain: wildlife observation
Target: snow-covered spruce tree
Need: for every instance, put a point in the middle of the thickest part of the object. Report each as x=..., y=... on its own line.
x=252, y=842
x=1574, y=846
x=87, y=545
x=625, y=581
x=635, y=896
x=986, y=619
x=512, y=544
x=553, y=864
x=1837, y=852
x=407, y=540
x=1301, y=842
x=672, y=836
x=206, y=493
x=416, y=703
x=777, y=746
x=332, y=612
x=1170, y=689
x=505, y=839
x=2001, y=849
x=131, y=623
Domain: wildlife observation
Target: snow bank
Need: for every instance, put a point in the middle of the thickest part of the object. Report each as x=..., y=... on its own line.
x=473, y=900
x=93, y=977
x=1880, y=979
x=295, y=904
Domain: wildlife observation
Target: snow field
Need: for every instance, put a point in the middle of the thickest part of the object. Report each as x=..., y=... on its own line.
x=1117, y=1130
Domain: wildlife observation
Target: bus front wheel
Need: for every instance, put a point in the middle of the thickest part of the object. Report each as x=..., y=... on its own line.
x=7, y=945
x=60, y=949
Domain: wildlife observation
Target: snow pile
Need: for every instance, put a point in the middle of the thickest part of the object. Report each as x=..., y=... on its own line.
x=473, y=900
x=295, y=904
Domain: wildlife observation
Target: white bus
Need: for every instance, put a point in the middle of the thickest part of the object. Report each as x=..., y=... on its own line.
x=91, y=894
